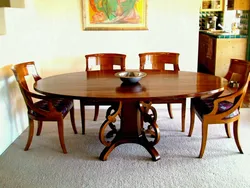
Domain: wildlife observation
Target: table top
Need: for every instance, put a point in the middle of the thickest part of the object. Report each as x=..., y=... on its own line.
x=103, y=85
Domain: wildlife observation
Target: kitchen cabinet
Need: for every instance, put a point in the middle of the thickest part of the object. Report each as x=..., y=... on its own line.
x=215, y=53
x=238, y=4
x=212, y=5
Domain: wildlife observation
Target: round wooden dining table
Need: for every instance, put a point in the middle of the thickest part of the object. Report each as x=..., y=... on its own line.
x=131, y=103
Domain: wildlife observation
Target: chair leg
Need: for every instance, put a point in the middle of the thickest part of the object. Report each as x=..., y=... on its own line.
x=170, y=111
x=183, y=116
x=204, y=138
x=236, y=135
x=61, y=135
x=96, y=112
x=31, y=132
x=227, y=128
x=192, y=116
x=82, y=110
x=72, y=119
x=39, y=128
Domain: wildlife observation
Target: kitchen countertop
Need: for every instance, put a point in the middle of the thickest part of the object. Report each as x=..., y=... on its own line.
x=221, y=35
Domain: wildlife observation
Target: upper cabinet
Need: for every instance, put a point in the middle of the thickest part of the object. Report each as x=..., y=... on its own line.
x=212, y=5
x=238, y=5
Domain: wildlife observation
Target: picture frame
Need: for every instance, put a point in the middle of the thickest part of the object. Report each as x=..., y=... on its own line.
x=114, y=14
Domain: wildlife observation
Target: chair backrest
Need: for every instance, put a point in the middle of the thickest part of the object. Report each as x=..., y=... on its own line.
x=244, y=88
x=238, y=70
x=105, y=61
x=158, y=60
x=21, y=71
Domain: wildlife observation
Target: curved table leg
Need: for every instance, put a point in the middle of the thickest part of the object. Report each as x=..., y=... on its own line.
x=150, y=116
x=130, y=130
x=118, y=140
x=116, y=109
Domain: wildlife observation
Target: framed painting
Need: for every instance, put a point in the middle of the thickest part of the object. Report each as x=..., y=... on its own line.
x=114, y=14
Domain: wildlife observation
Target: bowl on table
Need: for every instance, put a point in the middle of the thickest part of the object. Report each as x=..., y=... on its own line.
x=130, y=77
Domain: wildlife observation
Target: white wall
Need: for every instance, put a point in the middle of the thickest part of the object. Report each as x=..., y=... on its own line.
x=50, y=33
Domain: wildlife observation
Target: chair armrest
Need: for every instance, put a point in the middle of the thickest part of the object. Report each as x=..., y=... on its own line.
x=30, y=104
x=236, y=97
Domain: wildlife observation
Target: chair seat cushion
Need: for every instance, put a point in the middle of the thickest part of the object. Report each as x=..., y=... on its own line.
x=205, y=106
x=61, y=105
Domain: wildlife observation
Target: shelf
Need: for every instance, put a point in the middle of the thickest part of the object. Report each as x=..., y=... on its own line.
x=212, y=5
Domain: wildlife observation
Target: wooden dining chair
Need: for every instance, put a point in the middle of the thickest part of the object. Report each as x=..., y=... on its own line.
x=160, y=61
x=40, y=107
x=101, y=61
x=224, y=107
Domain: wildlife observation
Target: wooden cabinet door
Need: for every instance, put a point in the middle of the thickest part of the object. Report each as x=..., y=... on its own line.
x=238, y=5
x=206, y=55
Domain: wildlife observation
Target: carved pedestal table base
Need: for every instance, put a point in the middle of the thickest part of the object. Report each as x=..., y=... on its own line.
x=131, y=129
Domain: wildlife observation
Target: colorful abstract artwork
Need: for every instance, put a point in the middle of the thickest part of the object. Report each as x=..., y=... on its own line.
x=114, y=14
